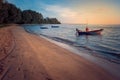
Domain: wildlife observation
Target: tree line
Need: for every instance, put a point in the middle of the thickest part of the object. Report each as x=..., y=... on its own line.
x=9, y=13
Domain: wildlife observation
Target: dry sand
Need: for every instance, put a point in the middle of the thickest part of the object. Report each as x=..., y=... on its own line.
x=35, y=58
x=6, y=42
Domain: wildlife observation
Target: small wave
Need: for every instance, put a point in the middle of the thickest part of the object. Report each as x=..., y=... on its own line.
x=110, y=56
x=63, y=40
x=110, y=53
x=101, y=50
x=107, y=48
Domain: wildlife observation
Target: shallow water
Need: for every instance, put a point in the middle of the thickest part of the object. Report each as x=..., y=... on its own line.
x=106, y=45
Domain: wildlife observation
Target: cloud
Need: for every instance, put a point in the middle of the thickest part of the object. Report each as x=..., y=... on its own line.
x=65, y=14
x=75, y=11
x=104, y=14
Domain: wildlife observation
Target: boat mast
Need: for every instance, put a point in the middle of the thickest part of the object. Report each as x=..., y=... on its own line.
x=87, y=23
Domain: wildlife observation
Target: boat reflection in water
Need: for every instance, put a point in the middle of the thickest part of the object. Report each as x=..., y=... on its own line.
x=85, y=40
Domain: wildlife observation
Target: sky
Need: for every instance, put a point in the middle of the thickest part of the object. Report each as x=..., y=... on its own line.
x=75, y=11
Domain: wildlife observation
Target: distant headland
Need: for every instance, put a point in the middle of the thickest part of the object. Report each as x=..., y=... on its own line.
x=10, y=14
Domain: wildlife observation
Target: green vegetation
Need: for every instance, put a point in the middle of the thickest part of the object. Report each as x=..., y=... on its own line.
x=10, y=14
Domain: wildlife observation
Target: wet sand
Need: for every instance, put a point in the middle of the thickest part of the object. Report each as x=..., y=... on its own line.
x=35, y=58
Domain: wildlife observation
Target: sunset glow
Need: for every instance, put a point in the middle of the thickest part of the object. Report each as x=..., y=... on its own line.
x=76, y=11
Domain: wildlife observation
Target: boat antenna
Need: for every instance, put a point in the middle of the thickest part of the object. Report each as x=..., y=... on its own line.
x=86, y=22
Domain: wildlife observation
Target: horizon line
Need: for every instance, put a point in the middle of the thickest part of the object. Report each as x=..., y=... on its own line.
x=91, y=23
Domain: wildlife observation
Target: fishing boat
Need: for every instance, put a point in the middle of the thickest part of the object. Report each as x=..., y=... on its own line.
x=54, y=26
x=94, y=32
x=43, y=27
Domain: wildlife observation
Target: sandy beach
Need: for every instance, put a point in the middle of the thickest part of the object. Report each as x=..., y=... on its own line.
x=34, y=58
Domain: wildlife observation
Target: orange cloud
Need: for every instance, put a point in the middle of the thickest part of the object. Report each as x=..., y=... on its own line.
x=96, y=14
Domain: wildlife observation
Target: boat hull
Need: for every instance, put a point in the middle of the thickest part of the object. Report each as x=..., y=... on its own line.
x=43, y=27
x=54, y=26
x=95, y=32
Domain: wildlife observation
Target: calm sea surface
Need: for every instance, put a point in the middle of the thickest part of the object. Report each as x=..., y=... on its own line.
x=106, y=45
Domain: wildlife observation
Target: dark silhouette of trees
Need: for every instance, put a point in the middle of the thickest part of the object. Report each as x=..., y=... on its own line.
x=29, y=16
x=51, y=21
x=9, y=13
x=1, y=1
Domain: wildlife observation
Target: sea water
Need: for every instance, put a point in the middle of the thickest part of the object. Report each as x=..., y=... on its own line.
x=106, y=45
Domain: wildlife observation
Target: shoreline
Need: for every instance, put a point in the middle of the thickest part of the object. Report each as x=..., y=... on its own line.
x=107, y=64
x=103, y=50
x=110, y=66
x=33, y=55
